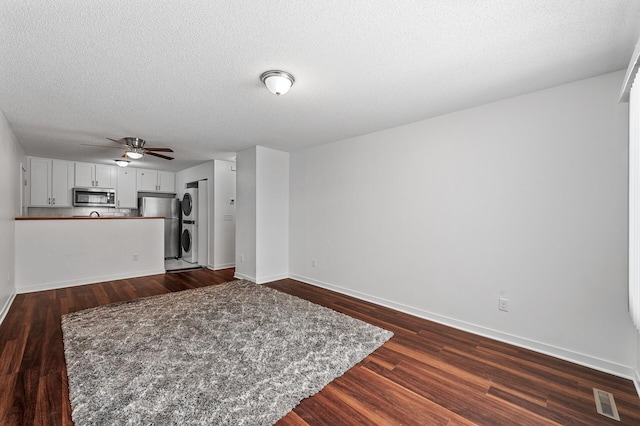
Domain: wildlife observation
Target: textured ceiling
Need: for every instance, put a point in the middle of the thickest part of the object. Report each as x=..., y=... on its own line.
x=186, y=74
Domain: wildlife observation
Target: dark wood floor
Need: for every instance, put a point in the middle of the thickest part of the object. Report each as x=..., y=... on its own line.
x=427, y=374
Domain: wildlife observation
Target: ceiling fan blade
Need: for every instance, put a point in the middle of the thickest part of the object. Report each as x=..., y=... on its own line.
x=101, y=146
x=159, y=149
x=120, y=141
x=160, y=155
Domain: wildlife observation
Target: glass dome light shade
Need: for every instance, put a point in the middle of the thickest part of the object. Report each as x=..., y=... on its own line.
x=134, y=155
x=277, y=82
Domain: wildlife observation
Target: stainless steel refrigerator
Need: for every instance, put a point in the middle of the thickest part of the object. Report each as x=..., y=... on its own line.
x=169, y=208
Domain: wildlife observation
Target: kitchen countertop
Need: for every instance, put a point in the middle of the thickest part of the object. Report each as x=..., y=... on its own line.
x=84, y=217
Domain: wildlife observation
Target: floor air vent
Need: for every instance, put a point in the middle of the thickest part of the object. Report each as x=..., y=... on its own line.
x=605, y=404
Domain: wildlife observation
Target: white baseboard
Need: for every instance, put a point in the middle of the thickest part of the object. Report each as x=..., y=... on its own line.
x=5, y=309
x=263, y=280
x=83, y=281
x=244, y=277
x=554, y=351
x=223, y=266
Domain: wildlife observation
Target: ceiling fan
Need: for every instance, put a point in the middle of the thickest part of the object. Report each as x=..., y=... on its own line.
x=135, y=148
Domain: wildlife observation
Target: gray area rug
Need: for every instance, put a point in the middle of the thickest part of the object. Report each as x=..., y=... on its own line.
x=232, y=354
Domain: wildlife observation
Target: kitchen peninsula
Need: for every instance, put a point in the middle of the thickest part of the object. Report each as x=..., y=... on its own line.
x=56, y=252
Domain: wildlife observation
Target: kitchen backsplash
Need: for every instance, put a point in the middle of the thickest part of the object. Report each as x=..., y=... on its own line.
x=80, y=211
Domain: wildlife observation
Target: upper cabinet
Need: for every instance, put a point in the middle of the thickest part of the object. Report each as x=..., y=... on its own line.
x=147, y=180
x=50, y=182
x=166, y=182
x=156, y=181
x=126, y=192
x=89, y=175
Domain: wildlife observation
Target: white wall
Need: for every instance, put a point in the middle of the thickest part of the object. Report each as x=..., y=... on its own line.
x=272, y=220
x=202, y=251
x=524, y=198
x=11, y=156
x=262, y=234
x=637, y=375
x=246, y=214
x=61, y=253
x=224, y=220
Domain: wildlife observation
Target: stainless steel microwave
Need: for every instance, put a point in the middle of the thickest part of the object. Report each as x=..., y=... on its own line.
x=94, y=197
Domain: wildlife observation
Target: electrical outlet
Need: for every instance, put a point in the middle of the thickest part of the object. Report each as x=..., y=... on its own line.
x=135, y=257
x=242, y=258
x=503, y=304
x=314, y=262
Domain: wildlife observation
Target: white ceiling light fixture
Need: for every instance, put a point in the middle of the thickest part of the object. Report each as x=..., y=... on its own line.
x=134, y=155
x=122, y=163
x=277, y=82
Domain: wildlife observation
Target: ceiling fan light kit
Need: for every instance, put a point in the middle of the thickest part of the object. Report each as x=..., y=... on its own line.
x=122, y=163
x=135, y=148
x=134, y=155
x=277, y=82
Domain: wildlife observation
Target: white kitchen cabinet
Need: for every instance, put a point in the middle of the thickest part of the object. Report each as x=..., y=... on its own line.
x=61, y=183
x=50, y=182
x=156, y=181
x=126, y=192
x=84, y=175
x=40, y=182
x=147, y=180
x=166, y=182
x=106, y=176
x=89, y=175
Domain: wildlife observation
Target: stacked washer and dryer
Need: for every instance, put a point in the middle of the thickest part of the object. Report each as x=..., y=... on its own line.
x=189, y=238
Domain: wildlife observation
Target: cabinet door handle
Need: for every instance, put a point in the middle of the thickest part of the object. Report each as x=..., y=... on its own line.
x=49, y=200
x=97, y=183
x=54, y=201
x=118, y=203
